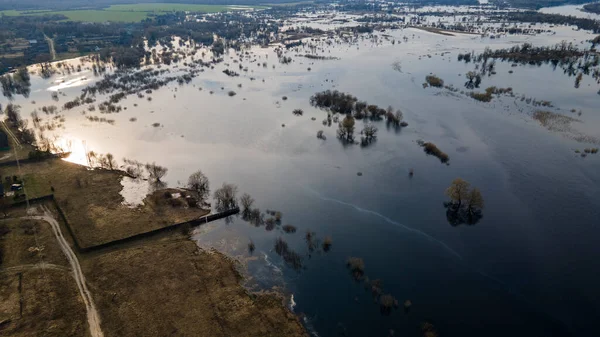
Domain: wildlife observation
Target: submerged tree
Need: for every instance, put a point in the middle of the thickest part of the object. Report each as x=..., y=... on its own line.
x=465, y=206
x=474, y=80
x=246, y=200
x=198, y=182
x=458, y=191
x=346, y=129
x=225, y=197
x=474, y=201
x=369, y=133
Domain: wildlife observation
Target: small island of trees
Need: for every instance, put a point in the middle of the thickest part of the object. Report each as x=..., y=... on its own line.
x=348, y=105
x=465, y=205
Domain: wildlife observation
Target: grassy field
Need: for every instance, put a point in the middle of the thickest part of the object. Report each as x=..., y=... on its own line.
x=128, y=13
x=92, y=203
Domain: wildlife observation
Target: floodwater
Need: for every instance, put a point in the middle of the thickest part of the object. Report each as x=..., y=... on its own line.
x=528, y=268
x=570, y=10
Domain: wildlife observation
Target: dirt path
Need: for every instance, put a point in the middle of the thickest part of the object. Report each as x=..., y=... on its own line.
x=51, y=46
x=92, y=315
x=11, y=134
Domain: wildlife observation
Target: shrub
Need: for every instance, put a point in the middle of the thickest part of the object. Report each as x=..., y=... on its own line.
x=433, y=150
x=434, y=81
x=280, y=246
x=298, y=112
x=356, y=266
x=482, y=97
x=251, y=247
x=387, y=302
x=231, y=93
x=270, y=224
x=289, y=229
x=327, y=244
x=176, y=202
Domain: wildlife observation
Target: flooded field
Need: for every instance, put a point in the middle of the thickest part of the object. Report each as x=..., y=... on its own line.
x=526, y=268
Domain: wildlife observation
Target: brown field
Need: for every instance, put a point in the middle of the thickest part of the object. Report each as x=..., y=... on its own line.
x=170, y=287
x=28, y=242
x=159, y=286
x=51, y=304
x=92, y=204
x=33, y=269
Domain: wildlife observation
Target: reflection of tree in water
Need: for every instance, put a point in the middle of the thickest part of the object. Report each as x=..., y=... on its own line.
x=460, y=215
x=225, y=197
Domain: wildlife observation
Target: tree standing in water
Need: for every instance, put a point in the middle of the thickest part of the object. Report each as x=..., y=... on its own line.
x=198, y=182
x=346, y=129
x=458, y=191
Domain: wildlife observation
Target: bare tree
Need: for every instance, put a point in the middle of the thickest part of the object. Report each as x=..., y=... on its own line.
x=110, y=161
x=225, y=197
x=369, y=131
x=198, y=182
x=246, y=201
x=156, y=172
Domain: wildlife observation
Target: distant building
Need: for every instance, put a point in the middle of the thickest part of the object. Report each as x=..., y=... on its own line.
x=32, y=41
x=4, y=141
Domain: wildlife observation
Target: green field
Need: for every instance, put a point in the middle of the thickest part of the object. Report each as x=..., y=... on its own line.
x=129, y=13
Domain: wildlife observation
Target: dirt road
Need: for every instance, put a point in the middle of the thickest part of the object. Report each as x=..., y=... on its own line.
x=51, y=47
x=92, y=315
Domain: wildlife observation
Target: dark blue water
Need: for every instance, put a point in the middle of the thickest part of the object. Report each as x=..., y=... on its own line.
x=528, y=268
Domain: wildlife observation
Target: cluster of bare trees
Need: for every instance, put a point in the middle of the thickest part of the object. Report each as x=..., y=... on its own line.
x=18, y=83
x=13, y=117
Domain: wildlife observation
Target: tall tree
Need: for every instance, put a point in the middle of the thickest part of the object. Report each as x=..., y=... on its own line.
x=198, y=182
x=458, y=191
x=346, y=129
x=225, y=197
x=156, y=172
x=474, y=201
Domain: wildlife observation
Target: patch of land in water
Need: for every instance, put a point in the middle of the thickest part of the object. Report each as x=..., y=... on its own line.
x=446, y=32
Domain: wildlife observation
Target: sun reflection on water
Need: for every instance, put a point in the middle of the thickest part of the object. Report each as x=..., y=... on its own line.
x=76, y=149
